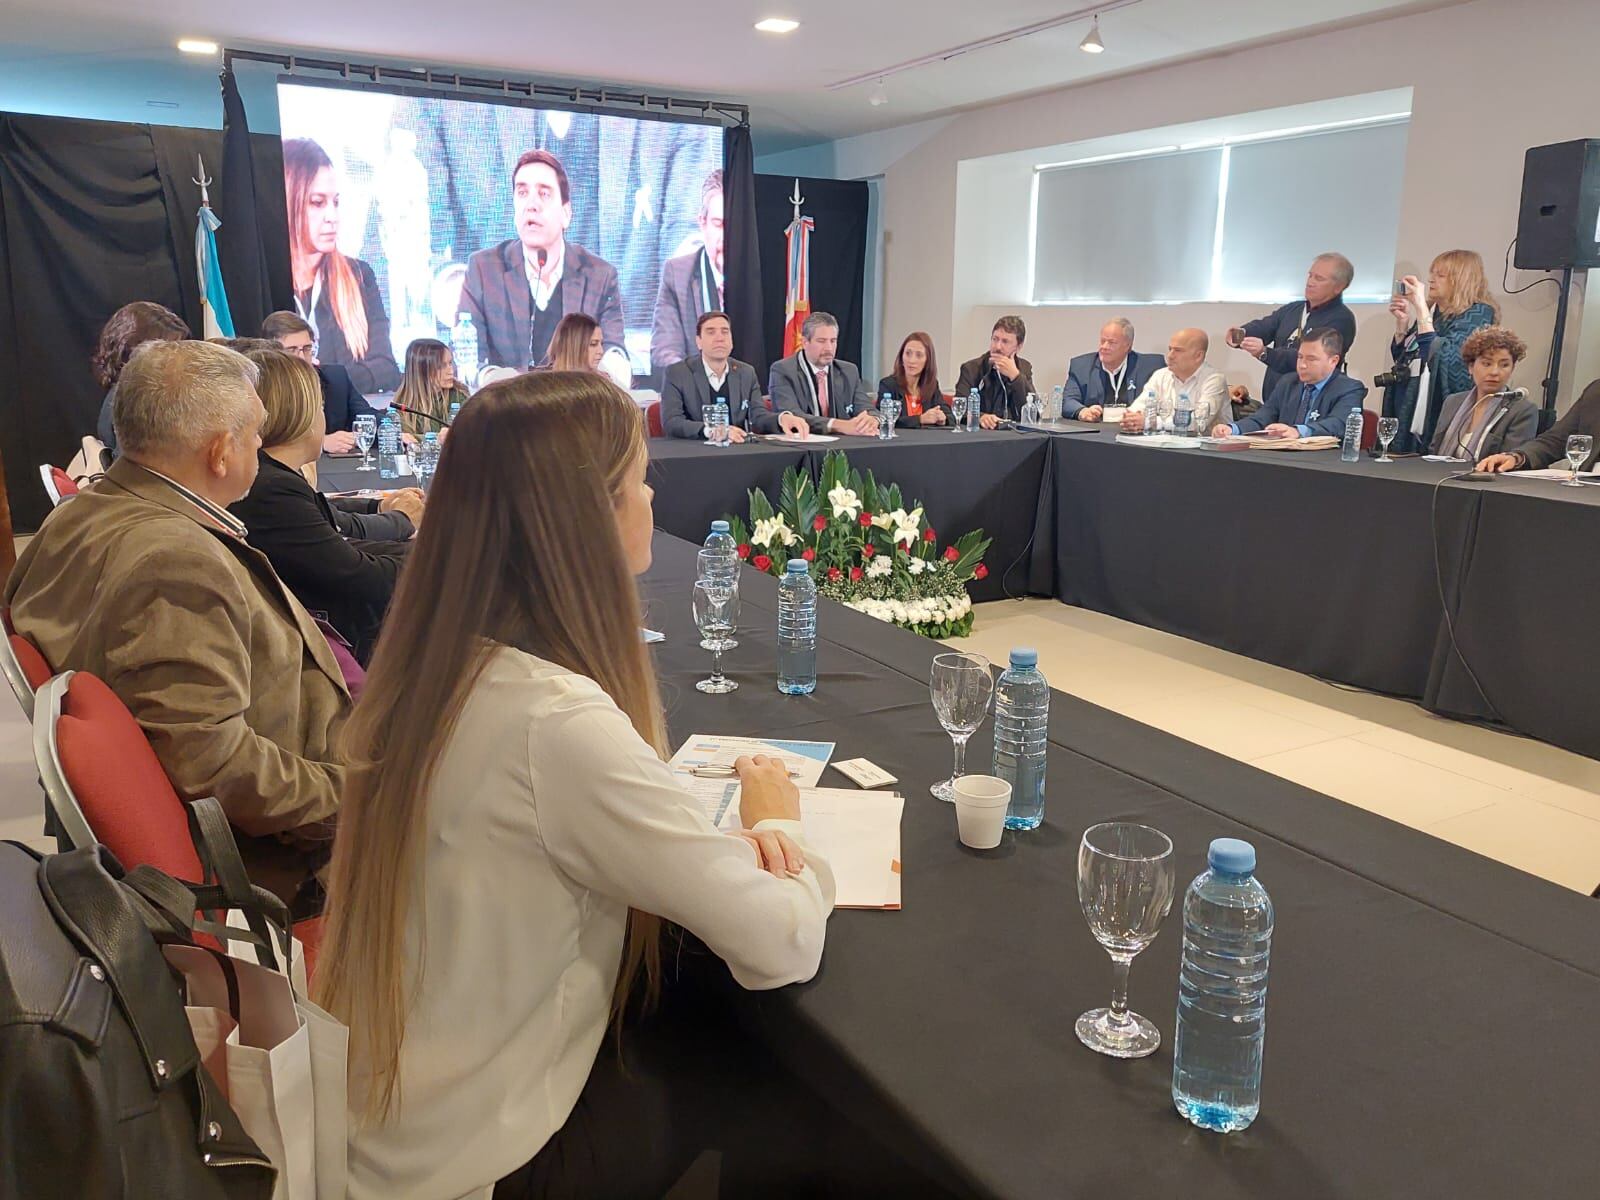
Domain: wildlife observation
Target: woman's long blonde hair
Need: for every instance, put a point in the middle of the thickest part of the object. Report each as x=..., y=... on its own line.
x=424, y=357
x=1466, y=283
x=569, y=344
x=521, y=507
x=302, y=159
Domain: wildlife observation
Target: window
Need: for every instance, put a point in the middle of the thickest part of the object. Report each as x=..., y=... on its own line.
x=1236, y=219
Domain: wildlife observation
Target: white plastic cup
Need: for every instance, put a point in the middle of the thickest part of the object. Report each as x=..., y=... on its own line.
x=981, y=803
x=1113, y=413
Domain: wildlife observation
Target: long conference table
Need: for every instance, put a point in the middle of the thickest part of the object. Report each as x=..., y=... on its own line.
x=1429, y=1016
x=1468, y=598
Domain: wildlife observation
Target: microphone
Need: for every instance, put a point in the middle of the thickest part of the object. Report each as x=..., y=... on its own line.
x=417, y=412
x=540, y=257
x=1513, y=393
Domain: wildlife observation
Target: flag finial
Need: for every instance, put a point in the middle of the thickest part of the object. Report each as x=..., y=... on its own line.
x=204, y=182
x=796, y=199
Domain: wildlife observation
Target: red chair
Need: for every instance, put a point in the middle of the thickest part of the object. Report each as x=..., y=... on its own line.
x=1369, y=429
x=58, y=485
x=24, y=667
x=105, y=784
x=652, y=419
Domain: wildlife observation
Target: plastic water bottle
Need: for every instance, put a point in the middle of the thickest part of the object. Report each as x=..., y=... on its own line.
x=464, y=350
x=388, y=447
x=1183, y=416
x=1222, y=991
x=455, y=410
x=1152, y=412
x=1350, y=449
x=1021, y=726
x=717, y=424
x=427, y=459
x=720, y=539
x=974, y=406
x=797, y=630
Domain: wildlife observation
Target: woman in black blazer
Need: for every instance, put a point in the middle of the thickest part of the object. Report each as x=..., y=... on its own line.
x=915, y=383
x=338, y=295
x=341, y=557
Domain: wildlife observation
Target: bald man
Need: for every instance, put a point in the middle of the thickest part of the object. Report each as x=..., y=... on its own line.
x=1187, y=374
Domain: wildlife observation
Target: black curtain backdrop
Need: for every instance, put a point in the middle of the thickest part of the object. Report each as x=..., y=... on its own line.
x=838, y=260
x=742, y=249
x=255, y=260
x=93, y=215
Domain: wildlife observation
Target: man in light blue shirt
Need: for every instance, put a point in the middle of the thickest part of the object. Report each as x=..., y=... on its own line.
x=1313, y=402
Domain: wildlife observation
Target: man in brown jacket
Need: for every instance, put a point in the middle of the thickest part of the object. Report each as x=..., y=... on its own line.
x=145, y=580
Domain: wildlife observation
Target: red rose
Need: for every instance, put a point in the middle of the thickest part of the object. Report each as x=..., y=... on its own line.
x=867, y=551
x=820, y=523
x=762, y=562
x=980, y=572
x=834, y=574
x=866, y=521
x=744, y=550
x=951, y=554
x=928, y=536
x=809, y=554
x=855, y=574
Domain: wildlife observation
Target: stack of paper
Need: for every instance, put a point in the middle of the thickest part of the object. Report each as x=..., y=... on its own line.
x=704, y=765
x=859, y=835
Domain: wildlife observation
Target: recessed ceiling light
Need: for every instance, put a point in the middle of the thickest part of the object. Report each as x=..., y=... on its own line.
x=777, y=25
x=196, y=46
x=1091, y=43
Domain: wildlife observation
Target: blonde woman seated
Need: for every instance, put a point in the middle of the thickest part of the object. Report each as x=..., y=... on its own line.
x=576, y=345
x=1482, y=421
x=511, y=840
x=429, y=387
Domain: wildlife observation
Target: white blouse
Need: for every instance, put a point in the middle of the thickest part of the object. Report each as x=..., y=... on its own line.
x=548, y=818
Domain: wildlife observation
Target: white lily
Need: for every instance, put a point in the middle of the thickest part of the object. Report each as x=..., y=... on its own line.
x=883, y=520
x=845, y=503
x=905, y=526
x=773, y=527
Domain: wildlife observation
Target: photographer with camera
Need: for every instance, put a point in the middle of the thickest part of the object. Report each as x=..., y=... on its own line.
x=1432, y=322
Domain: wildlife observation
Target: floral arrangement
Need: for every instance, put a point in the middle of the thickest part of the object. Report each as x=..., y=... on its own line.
x=867, y=550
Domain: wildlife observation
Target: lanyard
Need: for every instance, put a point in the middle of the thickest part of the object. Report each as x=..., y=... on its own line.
x=708, y=285
x=308, y=313
x=1116, y=381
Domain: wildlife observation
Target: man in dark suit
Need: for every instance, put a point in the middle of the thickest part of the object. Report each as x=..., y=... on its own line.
x=712, y=375
x=1313, y=402
x=691, y=284
x=1003, y=380
x=1274, y=338
x=1113, y=374
x=517, y=292
x=813, y=391
x=341, y=403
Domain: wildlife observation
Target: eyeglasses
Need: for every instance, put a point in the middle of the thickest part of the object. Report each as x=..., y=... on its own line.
x=306, y=352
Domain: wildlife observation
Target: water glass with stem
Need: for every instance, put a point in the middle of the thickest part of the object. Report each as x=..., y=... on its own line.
x=1125, y=883
x=958, y=411
x=962, y=688
x=715, y=614
x=1387, y=428
x=1579, y=446
x=890, y=407
x=365, y=427
x=724, y=568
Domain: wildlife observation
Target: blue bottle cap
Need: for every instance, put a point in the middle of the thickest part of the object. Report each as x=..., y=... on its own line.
x=799, y=566
x=1233, y=856
x=719, y=527
x=1024, y=656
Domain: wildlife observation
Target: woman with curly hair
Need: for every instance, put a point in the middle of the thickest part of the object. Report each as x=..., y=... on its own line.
x=338, y=295
x=130, y=327
x=1484, y=420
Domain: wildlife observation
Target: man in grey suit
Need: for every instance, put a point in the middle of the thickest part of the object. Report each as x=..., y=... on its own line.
x=813, y=385
x=691, y=284
x=714, y=374
x=518, y=291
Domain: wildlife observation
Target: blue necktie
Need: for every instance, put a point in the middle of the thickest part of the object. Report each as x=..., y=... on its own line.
x=1307, y=391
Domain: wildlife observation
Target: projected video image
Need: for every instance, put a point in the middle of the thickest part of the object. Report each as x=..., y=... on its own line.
x=406, y=212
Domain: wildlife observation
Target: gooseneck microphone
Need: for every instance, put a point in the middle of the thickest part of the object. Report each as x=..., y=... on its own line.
x=540, y=257
x=417, y=412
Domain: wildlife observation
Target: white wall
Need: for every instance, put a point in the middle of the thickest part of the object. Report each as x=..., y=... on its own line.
x=1489, y=79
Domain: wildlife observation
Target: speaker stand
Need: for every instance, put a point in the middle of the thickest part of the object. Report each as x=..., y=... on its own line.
x=1547, y=412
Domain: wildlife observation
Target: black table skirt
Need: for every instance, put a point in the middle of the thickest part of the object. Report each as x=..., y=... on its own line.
x=1428, y=1015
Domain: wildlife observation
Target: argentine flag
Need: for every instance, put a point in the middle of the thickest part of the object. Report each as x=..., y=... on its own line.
x=213, y=296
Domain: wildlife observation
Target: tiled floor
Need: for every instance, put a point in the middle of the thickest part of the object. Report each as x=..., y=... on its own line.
x=1510, y=798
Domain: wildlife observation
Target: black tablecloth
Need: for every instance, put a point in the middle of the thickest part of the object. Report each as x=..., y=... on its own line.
x=1429, y=1013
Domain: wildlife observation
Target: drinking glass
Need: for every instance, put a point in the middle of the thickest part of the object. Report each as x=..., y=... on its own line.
x=365, y=428
x=715, y=612
x=961, y=687
x=1057, y=394
x=891, y=414
x=1030, y=411
x=1578, y=447
x=1125, y=885
x=723, y=569
x=1387, y=428
x=958, y=410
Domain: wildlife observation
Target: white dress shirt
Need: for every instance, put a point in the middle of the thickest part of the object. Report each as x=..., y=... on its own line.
x=542, y=289
x=1207, y=390
x=547, y=819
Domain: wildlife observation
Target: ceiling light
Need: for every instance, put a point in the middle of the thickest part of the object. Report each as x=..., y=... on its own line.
x=879, y=97
x=777, y=25
x=196, y=46
x=1091, y=43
